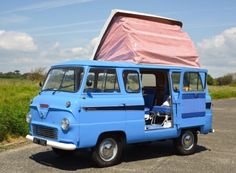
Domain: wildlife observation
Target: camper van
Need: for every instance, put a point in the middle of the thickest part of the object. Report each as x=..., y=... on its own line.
x=103, y=105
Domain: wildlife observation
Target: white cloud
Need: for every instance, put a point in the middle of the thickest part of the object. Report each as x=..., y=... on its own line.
x=55, y=46
x=79, y=52
x=218, y=53
x=43, y=57
x=16, y=41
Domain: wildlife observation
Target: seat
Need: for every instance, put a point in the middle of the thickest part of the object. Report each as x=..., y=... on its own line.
x=149, y=100
x=149, y=95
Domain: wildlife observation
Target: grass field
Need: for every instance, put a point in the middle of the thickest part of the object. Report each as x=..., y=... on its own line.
x=15, y=96
x=221, y=92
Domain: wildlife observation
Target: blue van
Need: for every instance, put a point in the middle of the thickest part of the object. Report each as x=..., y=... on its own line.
x=106, y=105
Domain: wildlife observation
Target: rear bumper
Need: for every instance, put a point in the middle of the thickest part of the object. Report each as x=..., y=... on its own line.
x=54, y=144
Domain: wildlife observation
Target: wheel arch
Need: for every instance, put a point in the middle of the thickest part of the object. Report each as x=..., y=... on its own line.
x=197, y=129
x=120, y=134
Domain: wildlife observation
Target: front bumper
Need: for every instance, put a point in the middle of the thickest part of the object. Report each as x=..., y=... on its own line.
x=54, y=144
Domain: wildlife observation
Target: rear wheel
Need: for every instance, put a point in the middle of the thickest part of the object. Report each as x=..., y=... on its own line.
x=63, y=153
x=108, y=151
x=186, y=143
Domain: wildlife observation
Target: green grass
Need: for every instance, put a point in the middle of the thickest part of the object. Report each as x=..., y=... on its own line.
x=222, y=92
x=15, y=96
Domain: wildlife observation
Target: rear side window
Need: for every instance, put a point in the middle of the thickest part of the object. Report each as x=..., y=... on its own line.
x=148, y=80
x=192, y=82
x=175, y=81
x=131, y=81
x=102, y=80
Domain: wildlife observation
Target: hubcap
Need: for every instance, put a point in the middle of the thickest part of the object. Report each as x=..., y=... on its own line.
x=108, y=149
x=187, y=141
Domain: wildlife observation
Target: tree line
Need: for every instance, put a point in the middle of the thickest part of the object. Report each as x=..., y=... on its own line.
x=223, y=80
x=36, y=74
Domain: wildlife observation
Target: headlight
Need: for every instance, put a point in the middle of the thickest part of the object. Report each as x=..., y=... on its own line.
x=28, y=117
x=65, y=123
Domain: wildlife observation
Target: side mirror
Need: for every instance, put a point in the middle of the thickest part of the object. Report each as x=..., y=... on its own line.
x=40, y=84
x=89, y=83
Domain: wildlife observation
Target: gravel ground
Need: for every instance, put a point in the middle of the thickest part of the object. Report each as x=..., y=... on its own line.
x=215, y=153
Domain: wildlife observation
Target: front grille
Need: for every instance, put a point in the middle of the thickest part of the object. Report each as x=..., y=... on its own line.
x=44, y=131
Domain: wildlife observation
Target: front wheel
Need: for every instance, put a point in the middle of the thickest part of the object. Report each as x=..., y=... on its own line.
x=186, y=143
x=108, y=151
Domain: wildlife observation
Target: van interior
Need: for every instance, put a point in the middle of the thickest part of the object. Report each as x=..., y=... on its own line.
x=157, y=99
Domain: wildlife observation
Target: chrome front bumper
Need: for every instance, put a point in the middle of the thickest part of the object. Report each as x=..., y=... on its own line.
x=54, y=144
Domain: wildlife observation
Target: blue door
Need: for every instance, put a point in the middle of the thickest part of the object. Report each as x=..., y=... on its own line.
x=193, y=99
x=102, y=107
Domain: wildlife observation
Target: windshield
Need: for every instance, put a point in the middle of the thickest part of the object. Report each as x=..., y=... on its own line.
x=63, y=79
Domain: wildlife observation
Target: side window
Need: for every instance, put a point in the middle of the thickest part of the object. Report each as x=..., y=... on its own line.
x=131, y=81
x=192, y=82
x=102, y=80
x=148, y=80
x=175, y=81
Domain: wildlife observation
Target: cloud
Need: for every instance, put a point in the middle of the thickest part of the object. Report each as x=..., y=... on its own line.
x=16, y=41
x=45, y=5
x=55, y=46
x=218, y=53
x=79, y=52
x=43, y=56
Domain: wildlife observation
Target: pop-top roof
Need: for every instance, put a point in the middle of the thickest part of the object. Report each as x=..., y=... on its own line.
x=145, y=39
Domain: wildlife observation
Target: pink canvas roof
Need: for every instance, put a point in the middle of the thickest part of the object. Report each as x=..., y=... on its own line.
x=141, y=38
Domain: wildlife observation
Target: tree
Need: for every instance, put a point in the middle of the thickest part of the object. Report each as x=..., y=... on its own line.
x=37, y=74
x=210, y=80
x=17, y=71
x=225, y=80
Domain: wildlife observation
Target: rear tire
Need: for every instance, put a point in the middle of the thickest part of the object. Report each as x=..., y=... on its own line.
x=63, y=153
x=108, y=151
x=186, y=143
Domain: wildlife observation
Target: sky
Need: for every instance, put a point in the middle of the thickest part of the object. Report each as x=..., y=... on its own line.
x=37, y=33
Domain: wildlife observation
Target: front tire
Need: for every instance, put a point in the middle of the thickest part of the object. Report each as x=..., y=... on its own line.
x=187, y=142
x=108, y=151
x=63, y=153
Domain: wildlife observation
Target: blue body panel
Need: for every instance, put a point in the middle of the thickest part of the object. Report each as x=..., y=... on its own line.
x=92, y=114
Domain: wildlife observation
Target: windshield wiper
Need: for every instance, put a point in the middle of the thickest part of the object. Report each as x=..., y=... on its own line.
x=49, y=89
x=60, y=86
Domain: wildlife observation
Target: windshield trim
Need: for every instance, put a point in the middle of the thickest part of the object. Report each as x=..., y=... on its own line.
x=76, y=70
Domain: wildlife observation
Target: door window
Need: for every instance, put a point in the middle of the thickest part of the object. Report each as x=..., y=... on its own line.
x=102, y=80
x=131, y=81
x=175, y=81
x=192, y=82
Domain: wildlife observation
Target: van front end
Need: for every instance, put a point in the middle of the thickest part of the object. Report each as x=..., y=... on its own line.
x=54, y=114
x=53, y=124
